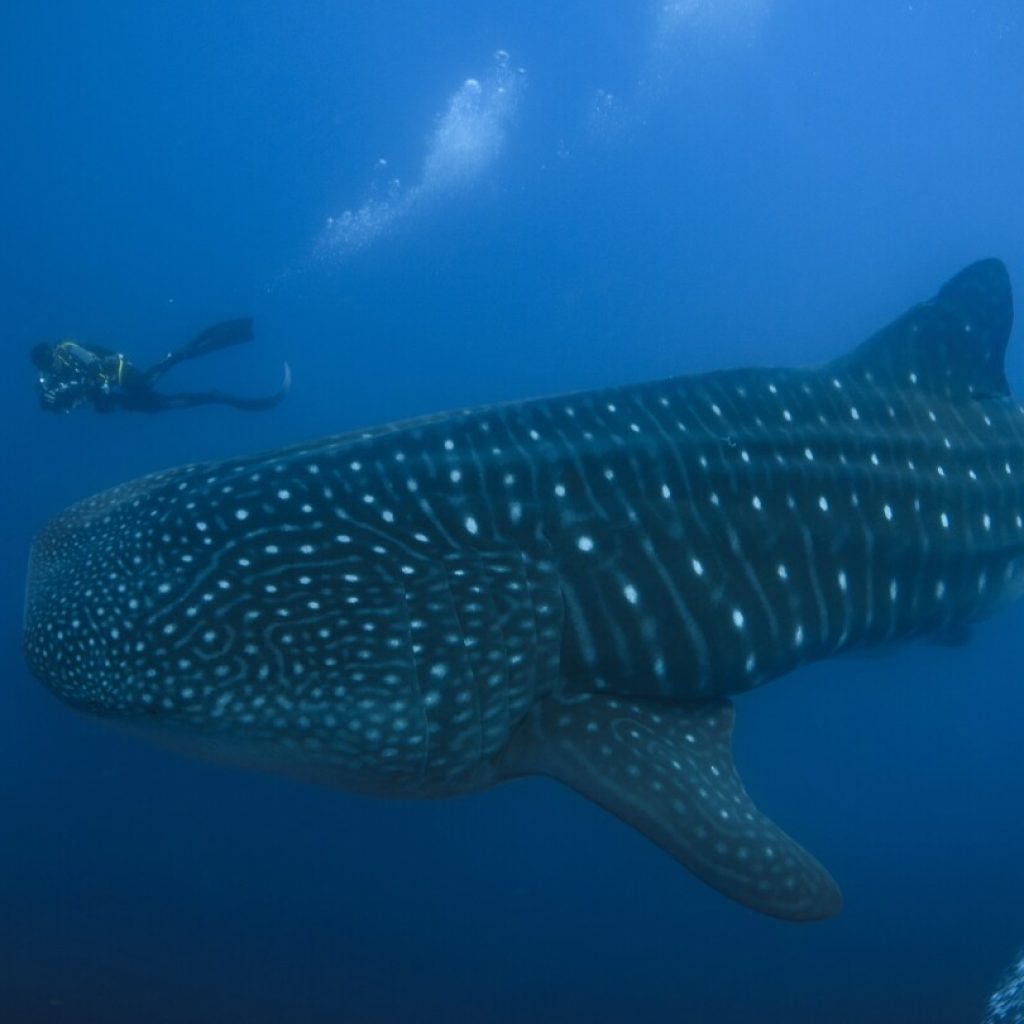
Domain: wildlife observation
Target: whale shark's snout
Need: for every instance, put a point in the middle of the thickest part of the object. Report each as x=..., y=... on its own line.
x=90, y=593
x=83, y=594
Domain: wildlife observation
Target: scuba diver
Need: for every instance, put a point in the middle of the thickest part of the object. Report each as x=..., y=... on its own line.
x=71, y=374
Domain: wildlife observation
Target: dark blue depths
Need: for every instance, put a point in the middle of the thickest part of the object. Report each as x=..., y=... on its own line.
x=762, y=187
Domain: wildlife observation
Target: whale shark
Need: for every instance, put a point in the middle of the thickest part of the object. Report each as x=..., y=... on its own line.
x=573, y=587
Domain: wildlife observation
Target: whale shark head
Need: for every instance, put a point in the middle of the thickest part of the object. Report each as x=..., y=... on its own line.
x=222, y=609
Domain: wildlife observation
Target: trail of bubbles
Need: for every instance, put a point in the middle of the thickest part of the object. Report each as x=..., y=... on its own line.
x=684, y=33
x=468, y=138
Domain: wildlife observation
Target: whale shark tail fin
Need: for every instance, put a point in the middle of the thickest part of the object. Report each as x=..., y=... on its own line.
x=667, y=770
x=953, y=345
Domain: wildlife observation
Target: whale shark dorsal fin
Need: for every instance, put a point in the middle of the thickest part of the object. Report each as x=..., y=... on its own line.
x=953, y=345
x=667, y=770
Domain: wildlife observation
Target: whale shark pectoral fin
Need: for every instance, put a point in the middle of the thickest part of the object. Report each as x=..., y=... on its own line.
x=667, y=770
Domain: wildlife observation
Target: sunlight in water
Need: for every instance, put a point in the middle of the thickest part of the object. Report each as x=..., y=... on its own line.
x=722, y=21
x=685, y=36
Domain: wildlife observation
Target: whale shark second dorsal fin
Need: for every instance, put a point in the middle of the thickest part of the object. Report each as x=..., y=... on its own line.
x=953, y=344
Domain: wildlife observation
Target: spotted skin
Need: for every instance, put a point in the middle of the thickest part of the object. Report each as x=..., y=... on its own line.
x=569, y=586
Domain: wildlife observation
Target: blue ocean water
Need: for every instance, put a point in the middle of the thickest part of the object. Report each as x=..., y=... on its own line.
x=429, y=205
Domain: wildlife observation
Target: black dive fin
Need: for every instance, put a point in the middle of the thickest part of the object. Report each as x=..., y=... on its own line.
x=954, y=344
x=667, y=770
x=261, y=403
x=217, y=336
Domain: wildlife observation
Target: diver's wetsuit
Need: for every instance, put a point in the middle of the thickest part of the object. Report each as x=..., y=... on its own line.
x=71, y=374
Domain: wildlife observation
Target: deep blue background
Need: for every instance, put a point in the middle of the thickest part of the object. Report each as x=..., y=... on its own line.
x=784, y=179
